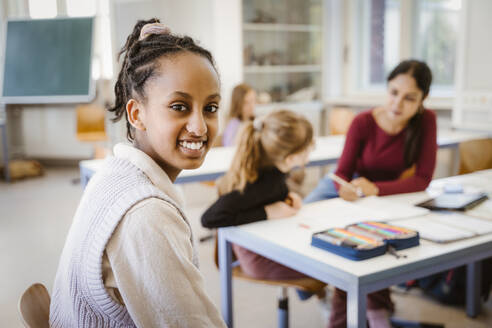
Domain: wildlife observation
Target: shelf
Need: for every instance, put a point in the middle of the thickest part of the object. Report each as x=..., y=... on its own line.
x=255, y=69
x=434, y=103
x=281, y=27
x=303, y=106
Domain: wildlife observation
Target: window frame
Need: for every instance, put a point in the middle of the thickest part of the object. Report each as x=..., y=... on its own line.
x=356, y=43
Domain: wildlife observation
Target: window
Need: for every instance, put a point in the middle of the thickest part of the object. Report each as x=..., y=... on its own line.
x=78, y=8
x=379, y=36
x=102, y=65
x=388, y=31
x=436, y=38
x=42, y=8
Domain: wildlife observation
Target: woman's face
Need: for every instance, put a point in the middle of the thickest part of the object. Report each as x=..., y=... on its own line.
x=249, y=105
x=180, y=113
x=404, y=99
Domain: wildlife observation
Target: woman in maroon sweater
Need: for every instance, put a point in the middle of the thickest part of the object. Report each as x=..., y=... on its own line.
x=388, y=150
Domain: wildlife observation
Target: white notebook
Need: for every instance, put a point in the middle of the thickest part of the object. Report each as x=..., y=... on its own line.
x=434, y=230
x=443, y=227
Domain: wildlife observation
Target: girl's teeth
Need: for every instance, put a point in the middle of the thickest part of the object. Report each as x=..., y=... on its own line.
x=192, y=145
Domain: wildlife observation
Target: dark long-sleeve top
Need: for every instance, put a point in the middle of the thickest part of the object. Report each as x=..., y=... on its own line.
x=235, y=208
x=378, y=156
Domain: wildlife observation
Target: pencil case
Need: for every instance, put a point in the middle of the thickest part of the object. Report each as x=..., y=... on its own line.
x=365, y=240
x=344, y=243
x=397, y=237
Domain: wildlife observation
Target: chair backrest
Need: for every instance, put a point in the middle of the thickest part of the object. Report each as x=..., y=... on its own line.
x=90, y=119
x=339, y=120
x=475, y=155
x=34, y=307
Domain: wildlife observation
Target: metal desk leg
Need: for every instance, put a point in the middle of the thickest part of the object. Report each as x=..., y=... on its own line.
x=356, y=308
x=473, y=288
x=455, y=161
x=225, y=264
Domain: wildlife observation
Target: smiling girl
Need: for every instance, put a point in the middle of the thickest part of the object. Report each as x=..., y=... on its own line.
x=129, y=259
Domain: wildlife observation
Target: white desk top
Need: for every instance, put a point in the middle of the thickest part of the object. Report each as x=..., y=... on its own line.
x=334, y=213
x=328, y=150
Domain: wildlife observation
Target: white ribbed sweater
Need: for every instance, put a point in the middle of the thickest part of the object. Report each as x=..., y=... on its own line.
x=79, y=297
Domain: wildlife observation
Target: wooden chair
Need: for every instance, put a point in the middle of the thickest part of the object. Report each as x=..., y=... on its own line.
x=475, y=155
x=34, y=307
x=339, y=120
x=91, y=127
x=305, y=284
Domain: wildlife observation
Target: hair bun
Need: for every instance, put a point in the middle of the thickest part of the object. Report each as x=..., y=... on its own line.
x=153, y=28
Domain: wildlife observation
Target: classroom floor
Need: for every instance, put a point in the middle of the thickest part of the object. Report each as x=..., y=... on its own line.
x=35, y=217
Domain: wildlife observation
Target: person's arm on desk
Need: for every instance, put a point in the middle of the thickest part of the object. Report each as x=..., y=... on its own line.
x=236, y=208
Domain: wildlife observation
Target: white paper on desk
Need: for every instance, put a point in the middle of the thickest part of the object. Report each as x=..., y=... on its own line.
x=463, y=222
x=390, y=210
x=483, y=210
x=434, y=230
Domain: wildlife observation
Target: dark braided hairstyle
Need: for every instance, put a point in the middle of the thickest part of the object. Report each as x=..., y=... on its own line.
x=140, y=65
x=423, y=78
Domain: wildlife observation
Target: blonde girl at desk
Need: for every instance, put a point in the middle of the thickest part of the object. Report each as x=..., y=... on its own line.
x=242, y=110
x=255, y=188
x=388, y=150
x=129, y=259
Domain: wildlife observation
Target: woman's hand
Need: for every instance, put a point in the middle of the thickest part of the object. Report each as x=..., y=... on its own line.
x=280, y=210
x=348, y=193
x=367, y=187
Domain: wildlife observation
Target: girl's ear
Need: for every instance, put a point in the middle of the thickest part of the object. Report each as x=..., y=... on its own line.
x=134, y=112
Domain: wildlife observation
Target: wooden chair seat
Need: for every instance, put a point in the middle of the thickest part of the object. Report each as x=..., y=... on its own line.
x=339, y=120
x=34, y=307
x=92, y=136
x=306, y=284
x=475, y=155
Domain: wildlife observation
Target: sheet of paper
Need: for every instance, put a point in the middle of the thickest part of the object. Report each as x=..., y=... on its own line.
x=483, y=210
x=464, y=222
x=434, y=230
x=390, y=210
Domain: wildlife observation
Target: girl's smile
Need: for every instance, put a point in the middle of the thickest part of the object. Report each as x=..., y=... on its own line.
x=193, y=148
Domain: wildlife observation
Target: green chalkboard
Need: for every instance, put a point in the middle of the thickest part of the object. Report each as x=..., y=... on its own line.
x=48, y=60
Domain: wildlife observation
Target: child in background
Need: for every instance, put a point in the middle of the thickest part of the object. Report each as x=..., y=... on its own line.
x=255, y=189
x=129, y=259
x=242, y=110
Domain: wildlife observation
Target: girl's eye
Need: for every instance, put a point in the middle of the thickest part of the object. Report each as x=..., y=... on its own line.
x=410, y=99
x=212, y=108
x=178, y=107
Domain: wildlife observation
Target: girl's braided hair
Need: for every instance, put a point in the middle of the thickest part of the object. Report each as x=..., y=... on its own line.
x=140, y=63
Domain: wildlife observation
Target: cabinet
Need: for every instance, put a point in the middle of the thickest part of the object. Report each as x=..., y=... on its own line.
x=282, y=49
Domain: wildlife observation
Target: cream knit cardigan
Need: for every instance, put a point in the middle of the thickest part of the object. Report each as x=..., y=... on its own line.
x=129, y=259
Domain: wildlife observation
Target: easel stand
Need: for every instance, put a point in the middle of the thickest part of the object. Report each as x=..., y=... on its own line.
x=5, y=150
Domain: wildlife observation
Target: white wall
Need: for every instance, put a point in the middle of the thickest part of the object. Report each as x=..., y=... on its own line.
x=473, y=103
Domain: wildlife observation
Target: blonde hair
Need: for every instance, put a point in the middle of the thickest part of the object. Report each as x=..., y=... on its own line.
x=237, y=101
x=263, y=143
